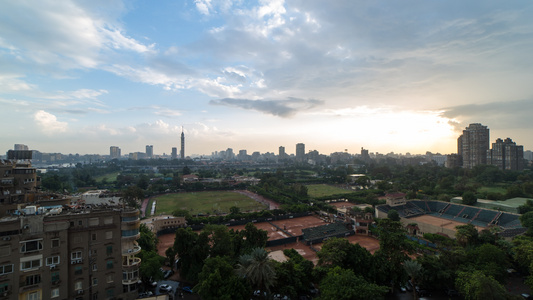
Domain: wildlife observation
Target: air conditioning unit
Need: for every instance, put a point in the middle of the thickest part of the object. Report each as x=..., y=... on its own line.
x=72, y=262
x=79, y=261
x=26, y=227
x=52, y=267
x=80, y=292
x=130, y=250
x=6, y=238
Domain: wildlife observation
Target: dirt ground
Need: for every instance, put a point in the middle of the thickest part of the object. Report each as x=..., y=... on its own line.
x=444, y=223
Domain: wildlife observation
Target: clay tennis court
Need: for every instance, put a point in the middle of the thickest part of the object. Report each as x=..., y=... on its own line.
x=295, y=225
x=369, y=243
x=444, y=223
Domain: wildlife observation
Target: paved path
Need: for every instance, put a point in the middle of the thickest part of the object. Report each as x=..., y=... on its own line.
x=144, y=204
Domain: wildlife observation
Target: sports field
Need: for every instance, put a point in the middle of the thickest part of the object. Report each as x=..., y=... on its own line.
x=206, y=202
x=321, y=190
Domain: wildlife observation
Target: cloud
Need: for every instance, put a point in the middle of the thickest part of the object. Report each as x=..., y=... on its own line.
x=280, y=108
x=502, y=115
x=69, y=36
x=48, y=123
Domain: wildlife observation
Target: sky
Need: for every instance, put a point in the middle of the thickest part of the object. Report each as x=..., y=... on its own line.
x=389, y=76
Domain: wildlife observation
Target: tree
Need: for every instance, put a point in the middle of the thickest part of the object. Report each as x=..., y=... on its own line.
x=469, y=198
x=252, y=238
x=147, y=240
x=527, y=221
x=340, y=252
x=132, y=195
x=258, y=269
x=151, y=264
x=393, y=215
x=219, y=281
x=344, y=284
x=192, y=249
x=477, y=286
x=393, y=249
x=294, y=276
x=413, y=270
x=466, y=235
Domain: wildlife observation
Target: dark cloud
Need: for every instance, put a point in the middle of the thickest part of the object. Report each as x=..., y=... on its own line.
x=281, y=108
x=503, y=115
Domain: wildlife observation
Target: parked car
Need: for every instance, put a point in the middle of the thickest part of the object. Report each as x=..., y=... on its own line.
x=187, y=289
x=165, y=287
x=167, y=273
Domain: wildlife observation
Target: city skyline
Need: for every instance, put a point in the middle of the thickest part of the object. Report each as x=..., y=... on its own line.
x=79, y=77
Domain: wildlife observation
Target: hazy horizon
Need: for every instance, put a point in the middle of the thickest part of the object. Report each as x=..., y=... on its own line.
x=81, y=76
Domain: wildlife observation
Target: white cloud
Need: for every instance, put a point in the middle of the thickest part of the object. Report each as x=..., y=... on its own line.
x=48, y=123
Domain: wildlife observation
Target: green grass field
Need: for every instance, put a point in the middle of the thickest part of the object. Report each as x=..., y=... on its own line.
x=110, y=177
x=206, y=202
x=321, y=190
x=492, y=189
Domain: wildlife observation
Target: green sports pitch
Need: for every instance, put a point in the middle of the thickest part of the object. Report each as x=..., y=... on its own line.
x=208, y=203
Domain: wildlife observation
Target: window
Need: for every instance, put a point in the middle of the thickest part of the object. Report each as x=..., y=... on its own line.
x=109, y=278
x=110, y=292
x=109, y=250
x=109, y=235
x=76, y=255
x=52, y=260
x=78, y=270
x=95, y=267
x=80, y=222
x=55, y=277
x=93, y=222
x=109, y=264
x=95, y=281
x=55, y=243
x=55, y=293
x=30, y=246
x=33, y=279
x=4, y=287
x=6, y=269
x=95, y=296
x=30, y=264
x=33, y=296
x=78, y=285
x=108, y=220
x=93, y=236
x=131, y=232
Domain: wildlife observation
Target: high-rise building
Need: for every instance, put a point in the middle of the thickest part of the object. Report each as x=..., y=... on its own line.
x=20, y=147
x=506, y=155
x=243, y=155
x=281, y=152
x=182, y=152
x=474, y=144
x=300, y=152
x=114, y=152
x=149, y=151
x=174, y=154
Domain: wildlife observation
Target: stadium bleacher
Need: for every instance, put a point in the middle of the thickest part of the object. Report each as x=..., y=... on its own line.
x=456, y=212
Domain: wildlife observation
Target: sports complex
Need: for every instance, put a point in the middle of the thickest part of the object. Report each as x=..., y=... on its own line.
x=442, y=217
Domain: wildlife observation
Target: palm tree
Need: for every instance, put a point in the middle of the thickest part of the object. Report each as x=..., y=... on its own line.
x=413, y=270
x=258, y=269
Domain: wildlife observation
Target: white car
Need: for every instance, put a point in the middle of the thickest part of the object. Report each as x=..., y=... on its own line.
x=165, y=287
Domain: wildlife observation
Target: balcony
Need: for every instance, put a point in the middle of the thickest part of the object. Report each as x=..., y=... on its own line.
x=131, y=251
x=131, y=262
x=130, y=281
